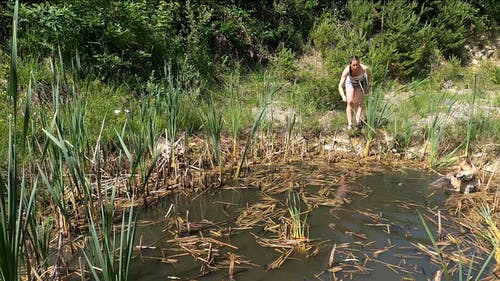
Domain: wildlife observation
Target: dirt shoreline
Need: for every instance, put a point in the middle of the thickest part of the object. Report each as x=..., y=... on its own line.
x=192, y=173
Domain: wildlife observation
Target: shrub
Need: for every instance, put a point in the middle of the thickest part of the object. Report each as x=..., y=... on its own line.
x=453, y=22
x=491, y=72
x=284, y=64
x=448, y=73
x=388, y=36
x=322, y=92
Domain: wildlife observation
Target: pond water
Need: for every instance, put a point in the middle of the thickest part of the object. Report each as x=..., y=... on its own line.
x=373, y=231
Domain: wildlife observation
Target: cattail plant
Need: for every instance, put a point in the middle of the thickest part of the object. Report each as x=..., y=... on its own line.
x=232, y=90
x=17, y=200
x=376, y=115
x=436, y=133
x=139, y=146
x=492, y=232
x=213, y=124
x=444, y=264
x=170, y=95
x=470, y=128
x=235, y=121
x=250, y=139
x=290, y=126
x=109, y=250
x=436, y=247
x=298, y=228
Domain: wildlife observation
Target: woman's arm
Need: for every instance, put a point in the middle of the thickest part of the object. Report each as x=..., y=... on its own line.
x=342, y=82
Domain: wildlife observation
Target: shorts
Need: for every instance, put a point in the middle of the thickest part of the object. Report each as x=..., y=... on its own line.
x=353, y=84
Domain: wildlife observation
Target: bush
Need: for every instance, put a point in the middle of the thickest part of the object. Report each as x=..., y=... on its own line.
x=322, y=92
x=284, y=64
x=453, y=21
x=491, y=72
x=448, y=73
x=387, y=36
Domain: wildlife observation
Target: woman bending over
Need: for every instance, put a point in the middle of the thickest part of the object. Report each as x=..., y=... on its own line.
x=356, y=80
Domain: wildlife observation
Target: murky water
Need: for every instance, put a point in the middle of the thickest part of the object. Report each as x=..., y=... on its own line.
x=373, y=233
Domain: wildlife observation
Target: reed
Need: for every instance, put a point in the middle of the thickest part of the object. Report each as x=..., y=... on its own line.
x=436, y=133
x=139, y=146
x=436, y=247
x=213, y=125
x=291, y=121
x=376, y=115
x=468, y=274
x=468, y=136
x=403, y=134
x=250, y=139
x=232, y=88
x=110, y=250
x=17, y=200
x=492, y=233
x=169, y=94
x=298, y=227
x=235, y=121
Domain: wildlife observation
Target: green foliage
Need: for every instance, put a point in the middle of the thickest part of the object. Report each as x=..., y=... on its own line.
x=5, y=23
x=398, y=39
x=364, y=14
x=284, y=64
x=490, y=72
x=320, y=91
x=127, y=40
x=16, y=202
x=488, y=12
x=104, y=102
x=453, y=21
x=448, y=73
x=323, y=34
x=49, y=26
x=213, y=125
x=409, y=42
x=110, y=249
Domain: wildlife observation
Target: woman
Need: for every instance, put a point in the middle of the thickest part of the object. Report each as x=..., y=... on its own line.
x=356, y=77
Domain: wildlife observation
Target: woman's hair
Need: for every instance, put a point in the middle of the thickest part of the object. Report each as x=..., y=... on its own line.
x=353, y=58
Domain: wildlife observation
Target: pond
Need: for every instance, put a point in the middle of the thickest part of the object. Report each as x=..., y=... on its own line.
x=368, y=234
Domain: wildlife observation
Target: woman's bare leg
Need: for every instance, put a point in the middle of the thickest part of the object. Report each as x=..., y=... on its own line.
x=358, y=103
x=350, y=104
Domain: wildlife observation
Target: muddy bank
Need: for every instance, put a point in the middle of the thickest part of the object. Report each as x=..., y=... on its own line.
x=194, y=168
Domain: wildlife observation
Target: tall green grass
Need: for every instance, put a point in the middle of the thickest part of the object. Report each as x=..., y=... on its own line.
x=298, y=227
x=436, y=132
x=250, y=139
x=436, y=247
x=236, y=124
x=18, y=196
x=376, y=115
x=109, y=250
x=265, y=97
x=470, y=128
x=291, y=121
x=232, y=88
x=138, y=143
x=169, y=93
x=213, y=125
